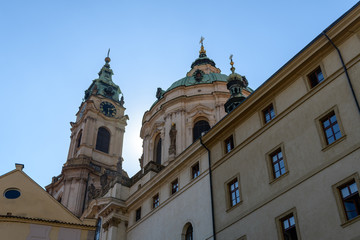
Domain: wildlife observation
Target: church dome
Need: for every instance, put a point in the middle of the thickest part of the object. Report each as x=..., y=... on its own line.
x=192, y=80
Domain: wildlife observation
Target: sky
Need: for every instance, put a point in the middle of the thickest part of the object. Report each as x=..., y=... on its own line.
x=50, y=51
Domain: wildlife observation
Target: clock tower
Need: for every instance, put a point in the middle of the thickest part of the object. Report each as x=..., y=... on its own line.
x=95, y=153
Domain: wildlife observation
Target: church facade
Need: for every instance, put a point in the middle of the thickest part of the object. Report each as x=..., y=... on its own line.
x=223, y=161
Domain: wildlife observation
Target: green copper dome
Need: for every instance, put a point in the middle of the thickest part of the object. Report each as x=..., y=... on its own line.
x=206, y=78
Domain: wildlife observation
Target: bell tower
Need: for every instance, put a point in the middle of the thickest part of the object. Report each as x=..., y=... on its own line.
x=95, y=152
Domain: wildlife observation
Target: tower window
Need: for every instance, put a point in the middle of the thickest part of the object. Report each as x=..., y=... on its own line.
x=199, y=128
x=78, y=140
x=103, y=140
x=157, y=149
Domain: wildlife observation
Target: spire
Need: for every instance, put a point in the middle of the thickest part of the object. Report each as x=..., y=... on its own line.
x=104, y=85
x=106, y=73
x=202, y=52
x=232, y=64
x=202, y=59
x=236, y=84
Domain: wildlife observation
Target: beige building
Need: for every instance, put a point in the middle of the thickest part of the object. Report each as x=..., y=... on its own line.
x=29, y=212
x=284, y=159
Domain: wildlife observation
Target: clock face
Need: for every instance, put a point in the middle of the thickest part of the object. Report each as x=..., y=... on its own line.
x=108, y=109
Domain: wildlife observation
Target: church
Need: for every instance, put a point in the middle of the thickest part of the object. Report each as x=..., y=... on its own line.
x=220, y=160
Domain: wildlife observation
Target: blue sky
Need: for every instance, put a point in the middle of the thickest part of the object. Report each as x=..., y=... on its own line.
x=50, y=51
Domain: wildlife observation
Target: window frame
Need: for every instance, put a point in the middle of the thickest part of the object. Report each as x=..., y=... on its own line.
x=138, y=214
x=232, y=144
x=339, y=200
x=322, y=134
x=156, y=204
x=177, y=188
x=264, y=110
x=313, y=72
x=279, y=225
x=100, y=146
x=270, y=165
x=228, y=198
x=192, y=170
x=198, y=128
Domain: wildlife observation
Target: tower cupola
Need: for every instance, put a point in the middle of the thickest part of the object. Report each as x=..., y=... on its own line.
x=235, y=83
x=104, y=85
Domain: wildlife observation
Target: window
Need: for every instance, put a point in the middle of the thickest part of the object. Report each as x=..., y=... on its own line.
x=315, y=77
x=78, y=140
x=174, y=186
x=268, y=113
x=200, y=127
x=278, y=164
x=98, y=230
x=331, y=128
x=234, y=192
x=157, y=149
x=156, y=201
x=287, y=226
x=229, y=144
x=103, y=140
x=138, y=214
x=189, y=233
x=12, y=193
x=195, y=171
x=350, y=199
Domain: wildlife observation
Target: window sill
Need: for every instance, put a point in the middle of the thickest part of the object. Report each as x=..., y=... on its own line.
x=278, y=179
x=349, y=222
x=233, y=207
x=325, y=148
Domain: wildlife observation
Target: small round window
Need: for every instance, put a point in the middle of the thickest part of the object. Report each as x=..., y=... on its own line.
x=12, y=193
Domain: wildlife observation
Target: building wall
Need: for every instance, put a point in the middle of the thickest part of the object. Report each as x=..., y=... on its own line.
x=314, y=168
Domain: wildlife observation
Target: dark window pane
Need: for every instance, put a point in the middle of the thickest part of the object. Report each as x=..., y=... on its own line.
x=103, y=140
x=200, y=127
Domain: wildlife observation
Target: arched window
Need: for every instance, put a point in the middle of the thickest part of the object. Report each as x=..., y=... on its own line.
x=187, y=233
x=157, y=149
x=200, y=127
x=103, y=140
x=78, y=140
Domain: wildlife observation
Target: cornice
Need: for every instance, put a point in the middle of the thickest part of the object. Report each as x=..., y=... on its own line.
x=54, y=223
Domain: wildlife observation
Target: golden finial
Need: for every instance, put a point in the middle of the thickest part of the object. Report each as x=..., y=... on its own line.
x=107, y=59
x=202, y=50
x=232, y=63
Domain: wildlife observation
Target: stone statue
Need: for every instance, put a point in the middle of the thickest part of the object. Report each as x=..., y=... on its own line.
x=172, y=133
